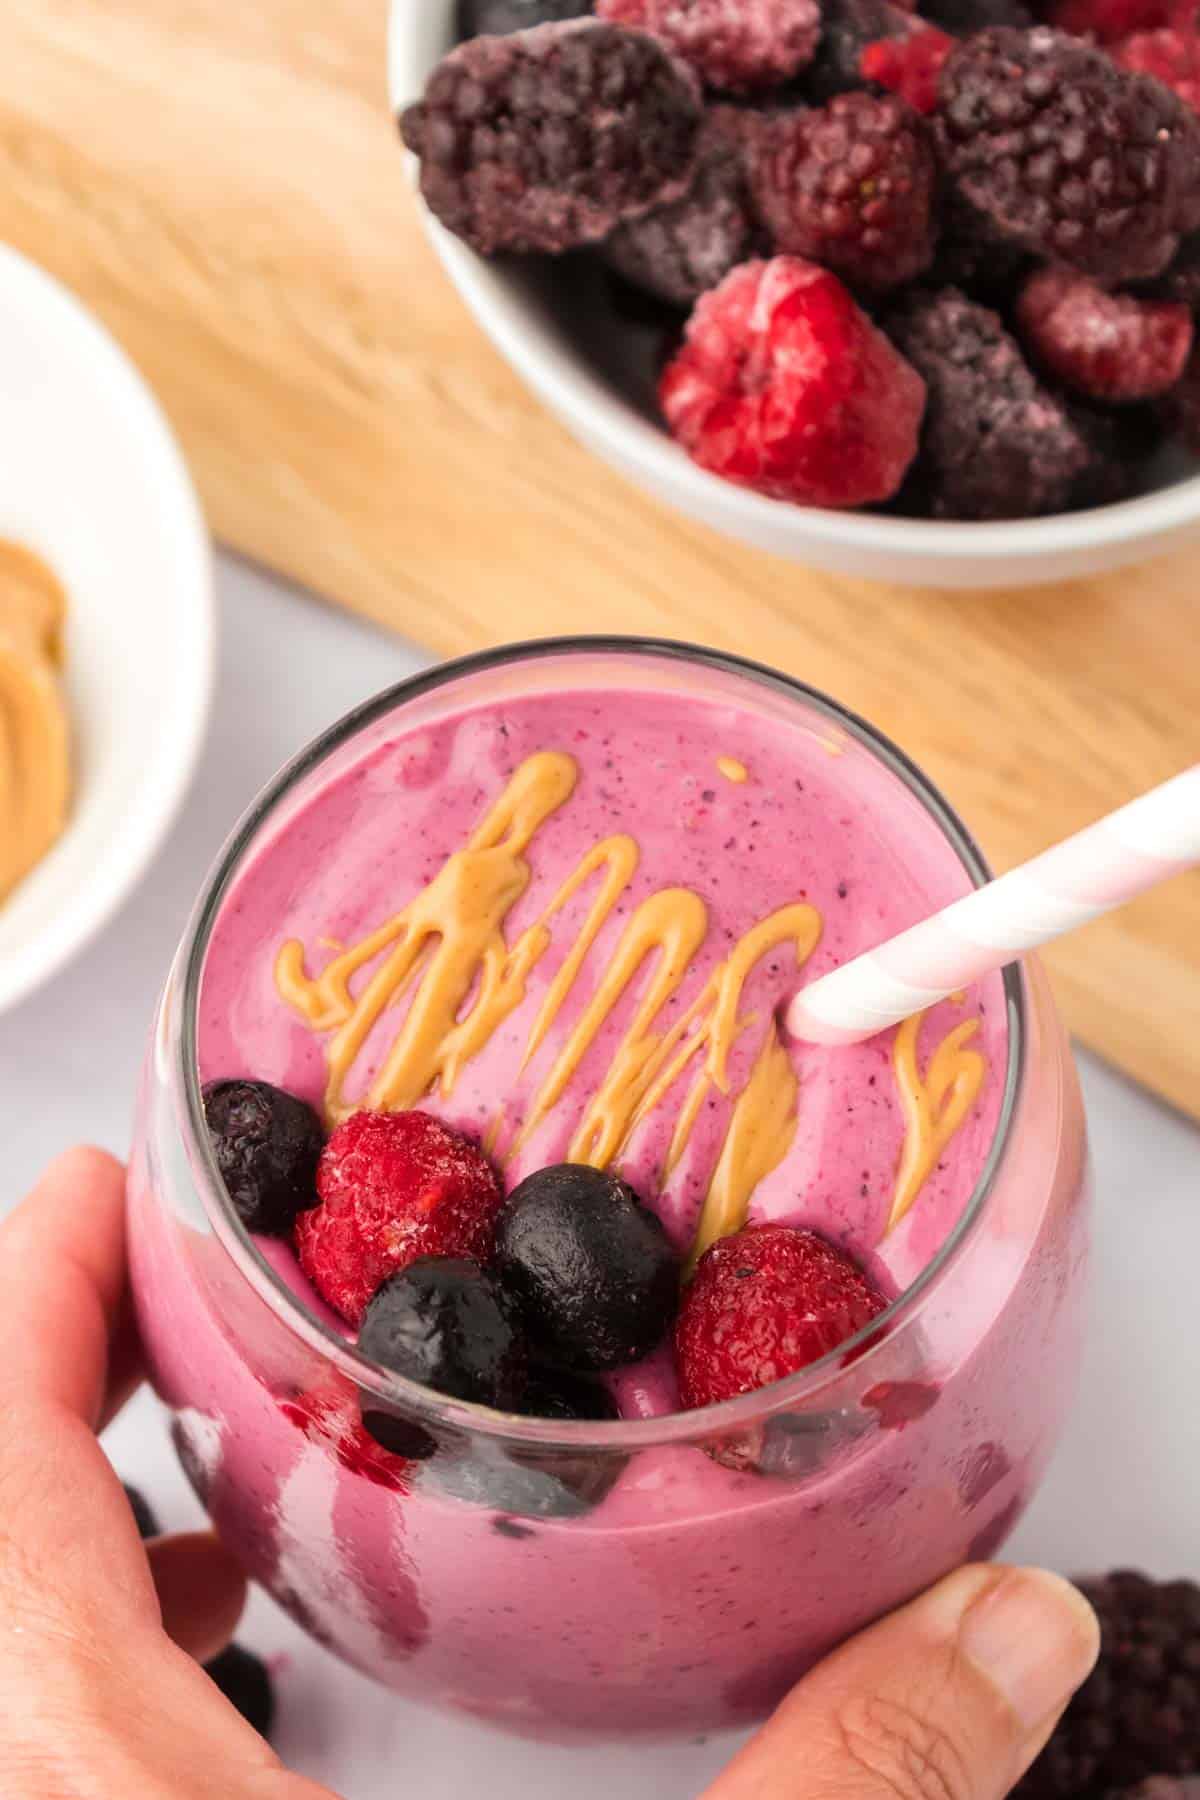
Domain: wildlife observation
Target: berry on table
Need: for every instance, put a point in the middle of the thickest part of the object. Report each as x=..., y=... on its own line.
x=850, y=185
x=590, y=1266
x=393, y=1187
x=498, y=18
x=783, y=385
x=1104, y=346
x=548, y=139
x=245, y=1681
x=1138, y=1715
x=996, y=444
x=447, y=1323
x=266, y=1144
x=678, y=252
x=763, y=1304
x=909, y=66
x=1068, y=156
x=740, y=46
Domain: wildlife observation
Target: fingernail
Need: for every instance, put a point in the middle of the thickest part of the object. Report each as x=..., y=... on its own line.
x=1036, y=1639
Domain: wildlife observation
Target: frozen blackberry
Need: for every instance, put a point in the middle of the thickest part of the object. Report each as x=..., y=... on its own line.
x=552, y=137
x=678, y=252
x=1138, y=1715
x=847, y=27
x=995, y=443
x=1067, y=155
x=736, y=46
x=850, y=185
x=497, y=18
x=267, y=1145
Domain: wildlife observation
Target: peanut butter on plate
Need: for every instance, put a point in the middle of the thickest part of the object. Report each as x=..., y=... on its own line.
x=35, y=757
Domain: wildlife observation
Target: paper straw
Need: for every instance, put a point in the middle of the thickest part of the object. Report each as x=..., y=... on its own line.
x=1079, y=880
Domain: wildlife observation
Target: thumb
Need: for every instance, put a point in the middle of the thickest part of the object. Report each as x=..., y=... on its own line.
x=951, y=1698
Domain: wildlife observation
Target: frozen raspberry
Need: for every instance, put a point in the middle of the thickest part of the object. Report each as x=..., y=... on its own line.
x=847, y=27
x=393, y=1187
x=497, y=18
x=851, y=185
x=785, y=386
x=1067, y=155
x=763, y=1304
x=1106, y=346
x=678, y=252
x=1171, y=54
x=1109, y=20
x=548, y=139
x=1138, y=1714
x=996, y=444
x=741, y=46
x=961, y=18
x=909, y=66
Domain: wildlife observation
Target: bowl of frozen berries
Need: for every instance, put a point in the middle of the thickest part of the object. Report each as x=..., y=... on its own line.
x=895, y=293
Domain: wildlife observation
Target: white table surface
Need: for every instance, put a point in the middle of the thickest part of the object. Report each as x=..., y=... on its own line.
x=1125, y=1486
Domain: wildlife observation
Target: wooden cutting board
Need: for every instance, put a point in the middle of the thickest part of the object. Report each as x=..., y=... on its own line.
x=221, y=182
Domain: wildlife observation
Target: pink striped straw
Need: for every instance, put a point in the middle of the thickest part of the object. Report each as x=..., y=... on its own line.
x=1133, y=849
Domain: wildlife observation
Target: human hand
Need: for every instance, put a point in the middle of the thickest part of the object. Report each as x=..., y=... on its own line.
x=949, y=1699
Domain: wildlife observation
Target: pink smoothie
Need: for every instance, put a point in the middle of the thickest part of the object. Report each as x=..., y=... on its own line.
x=689, y=1594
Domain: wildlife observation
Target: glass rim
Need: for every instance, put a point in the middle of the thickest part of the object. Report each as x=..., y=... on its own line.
x=421, y=1403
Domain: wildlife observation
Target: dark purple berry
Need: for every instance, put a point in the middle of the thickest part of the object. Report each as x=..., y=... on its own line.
x=244, y=1680
x=550, y=138
x=267, y=1145
x=447, y=1323
x=591, y=1267
x=497, y=18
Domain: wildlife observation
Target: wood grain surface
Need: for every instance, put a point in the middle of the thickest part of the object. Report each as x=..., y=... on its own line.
x=222, y=184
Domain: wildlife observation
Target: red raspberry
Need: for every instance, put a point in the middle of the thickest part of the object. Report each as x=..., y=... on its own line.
x=785, y=386
x=1109, y=20
x=909, y=66
x=764, y=1303
x=1107, y=346
x=738, y=45
x=1172, y=54
x=393, y=1187
x=851, y=185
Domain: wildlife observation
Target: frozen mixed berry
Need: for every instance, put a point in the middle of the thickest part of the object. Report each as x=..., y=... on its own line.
x=785, y=386
x=847, y=28
x=909, y=66
x=548, y=139
x=1109, y=20
x=1102, y=345
x=1138, y=1714
x=1171, y=54
x=591, y=1267
x=447, y=1323
x=557, y=1394
x=740, y=46
x=996, y=443
x=245, y=1681
x=850, y=185
x=763, y=1304
x=143, y=1513
x=678, y=252
x=1067, y=155
x=393, y=1187
x=498, y=18
x=266, y=1144
x=963, y=17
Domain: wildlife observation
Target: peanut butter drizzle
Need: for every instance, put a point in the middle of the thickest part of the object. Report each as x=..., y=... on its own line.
x=935, y=1106
x=35, y=763
x=733, y=770
x=449, y=941
x=759, y=1137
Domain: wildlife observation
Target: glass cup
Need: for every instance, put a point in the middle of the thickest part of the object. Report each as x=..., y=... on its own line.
x=570, y=1580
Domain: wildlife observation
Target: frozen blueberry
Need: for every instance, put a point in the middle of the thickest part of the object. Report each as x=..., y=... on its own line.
x=592, y=1268
x=267, y=1144
x=446, y=1322
x=244, y=1680
x=497, y=18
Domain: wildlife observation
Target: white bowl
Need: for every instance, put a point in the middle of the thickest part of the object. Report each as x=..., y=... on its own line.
x=91, y=480
x=578, y=366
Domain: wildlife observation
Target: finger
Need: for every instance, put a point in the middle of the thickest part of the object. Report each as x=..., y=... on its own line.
x=201, y=1591
x=952, y=1697
x=63, y=1284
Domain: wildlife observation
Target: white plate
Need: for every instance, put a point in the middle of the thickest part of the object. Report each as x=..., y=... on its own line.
x=92, y=481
